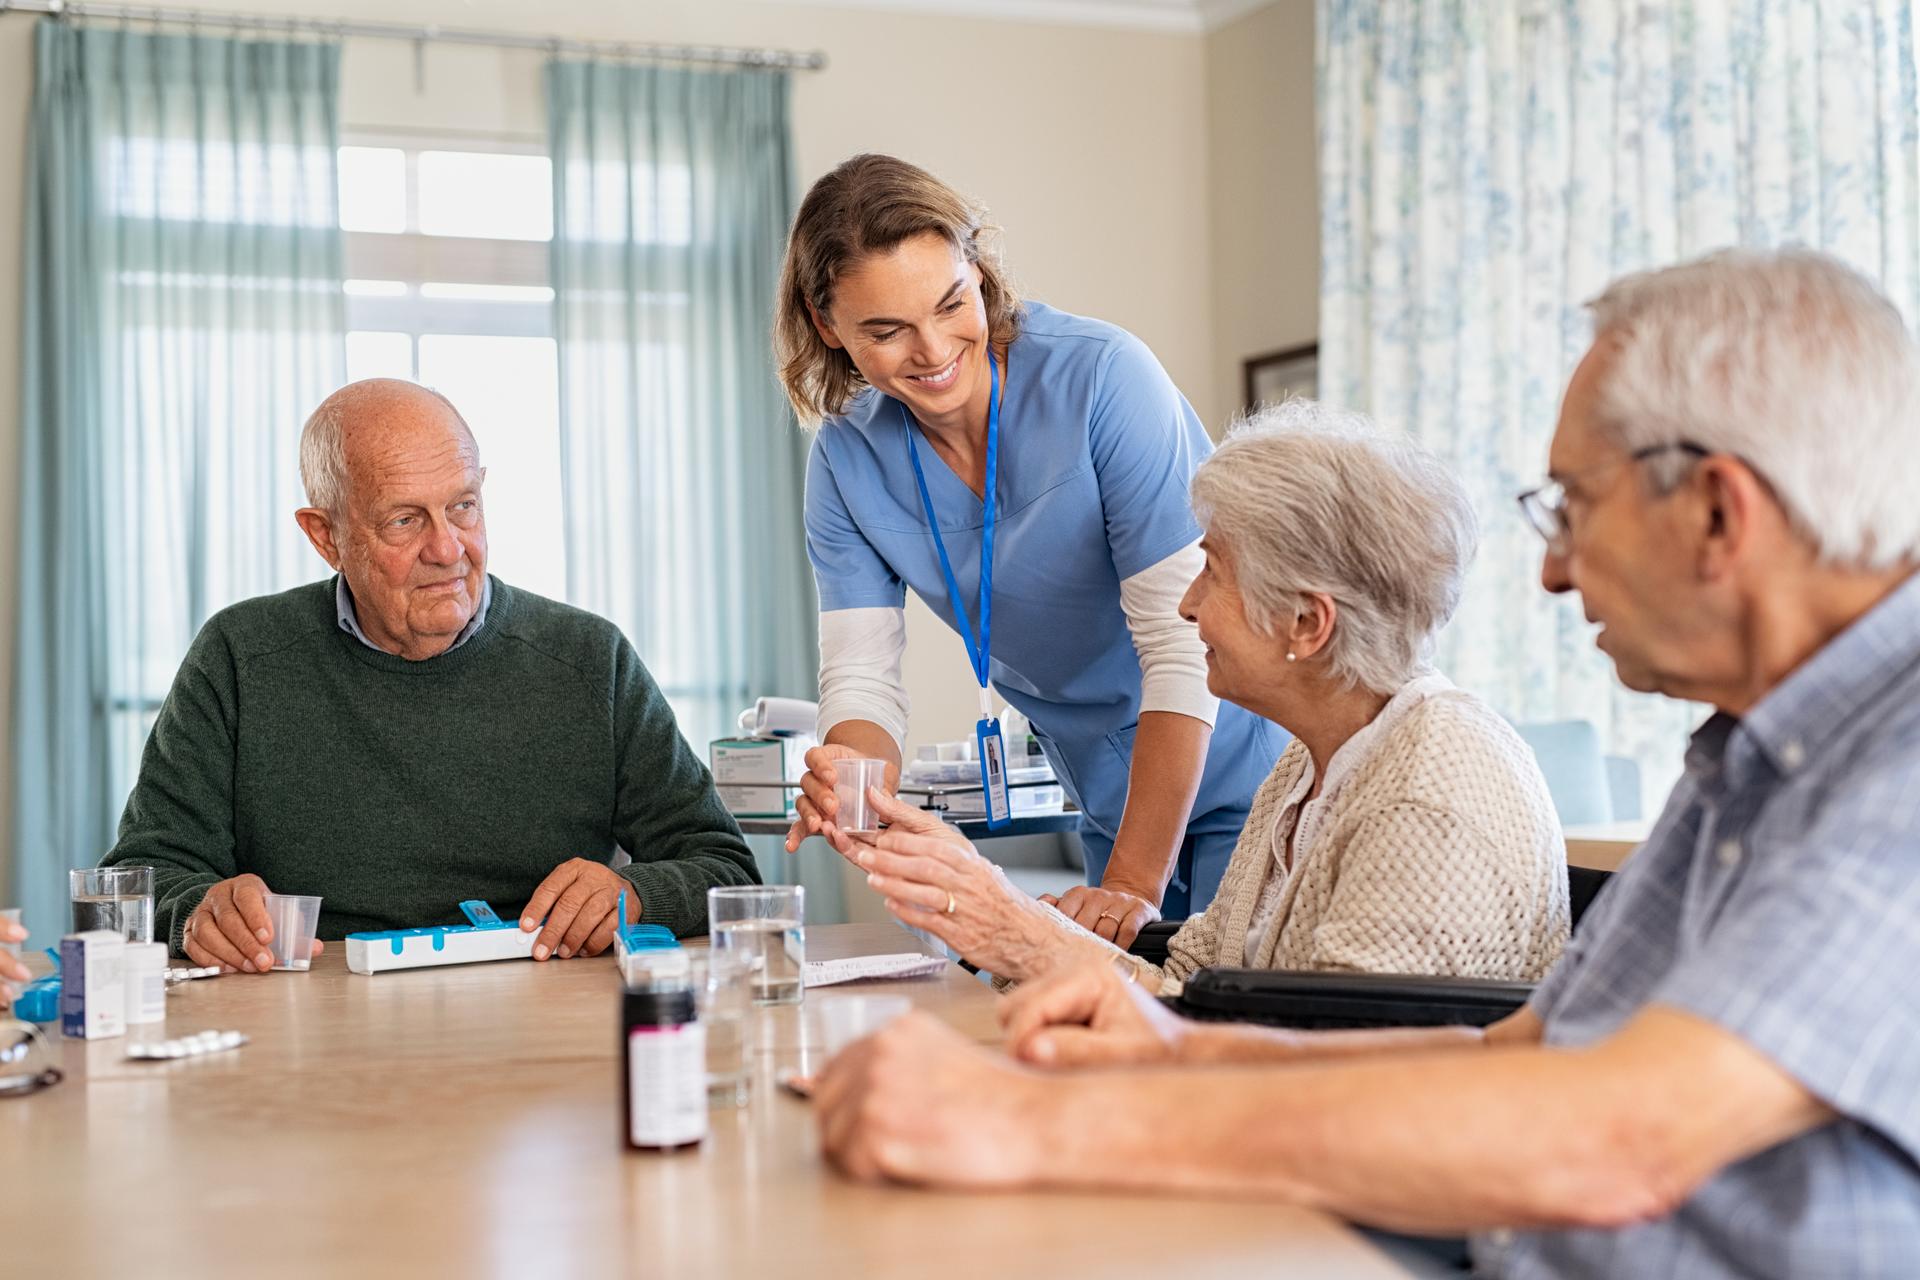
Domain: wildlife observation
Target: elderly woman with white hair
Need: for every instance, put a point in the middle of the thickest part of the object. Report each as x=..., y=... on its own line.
x=1407, y=829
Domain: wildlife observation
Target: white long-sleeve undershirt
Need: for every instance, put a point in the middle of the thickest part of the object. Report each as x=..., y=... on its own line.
x=861, y=652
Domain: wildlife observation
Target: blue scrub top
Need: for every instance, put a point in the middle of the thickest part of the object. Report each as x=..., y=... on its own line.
x=1097, y=448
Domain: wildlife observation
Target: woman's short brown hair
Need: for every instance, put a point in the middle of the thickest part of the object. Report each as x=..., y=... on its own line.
x=870, y=204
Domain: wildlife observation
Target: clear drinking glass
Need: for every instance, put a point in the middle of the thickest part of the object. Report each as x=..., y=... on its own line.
x=847, y=1018
x=766, y=926
x=723, y=1000
x=117, y=899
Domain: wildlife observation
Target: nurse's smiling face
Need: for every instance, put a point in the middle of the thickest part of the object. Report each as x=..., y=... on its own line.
x=913, y=322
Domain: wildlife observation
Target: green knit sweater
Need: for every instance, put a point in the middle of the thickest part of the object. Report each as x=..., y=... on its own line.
x=397, y=789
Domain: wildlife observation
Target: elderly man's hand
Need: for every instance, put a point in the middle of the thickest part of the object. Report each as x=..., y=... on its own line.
x=918, y=1102
x=12, y=967
x=1090, y=1015
x=934, y=879
x=231, y=928
x=578, y=900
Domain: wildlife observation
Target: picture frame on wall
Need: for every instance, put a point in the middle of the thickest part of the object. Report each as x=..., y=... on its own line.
x=1291, y=371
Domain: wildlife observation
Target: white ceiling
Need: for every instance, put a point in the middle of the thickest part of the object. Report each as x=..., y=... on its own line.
x=1142, y=15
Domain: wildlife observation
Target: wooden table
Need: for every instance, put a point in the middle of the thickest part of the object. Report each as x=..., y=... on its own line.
x=1603, y=846
x=465, y=1122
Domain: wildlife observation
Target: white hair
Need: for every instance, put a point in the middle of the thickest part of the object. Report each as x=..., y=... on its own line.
x=1789, y=360
x=1308, y=498
x=323, y=441
x=323, y=457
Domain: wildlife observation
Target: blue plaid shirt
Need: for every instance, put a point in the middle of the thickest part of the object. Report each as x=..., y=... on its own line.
x=1778, y=897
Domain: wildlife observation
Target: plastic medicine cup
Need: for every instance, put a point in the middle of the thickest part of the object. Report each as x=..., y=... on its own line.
x=295, y=918
x=855, y=814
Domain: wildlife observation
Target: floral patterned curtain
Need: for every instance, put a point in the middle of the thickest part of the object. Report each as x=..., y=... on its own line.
x=1488, y=167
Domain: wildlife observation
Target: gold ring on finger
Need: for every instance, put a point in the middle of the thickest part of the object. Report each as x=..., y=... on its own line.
x=950, y=903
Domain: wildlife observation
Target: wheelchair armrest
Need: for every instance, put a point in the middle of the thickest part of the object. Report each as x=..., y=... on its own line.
x=1151, y=943
x=1325, y=1001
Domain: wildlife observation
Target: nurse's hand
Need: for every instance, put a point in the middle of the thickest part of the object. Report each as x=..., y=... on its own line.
x=1113, y=914
x=816, y=805
x=934, y=879
x=900, y=817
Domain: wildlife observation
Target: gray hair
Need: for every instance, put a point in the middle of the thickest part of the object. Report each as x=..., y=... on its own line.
x=323, y=456
x=1308, y=498
x=323, y=442
x=1789, y=360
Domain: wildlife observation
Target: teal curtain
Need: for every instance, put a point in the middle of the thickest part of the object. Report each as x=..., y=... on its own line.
x=183, y=313
x=681, y=466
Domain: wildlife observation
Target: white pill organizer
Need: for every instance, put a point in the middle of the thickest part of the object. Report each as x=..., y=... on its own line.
x=488, y=937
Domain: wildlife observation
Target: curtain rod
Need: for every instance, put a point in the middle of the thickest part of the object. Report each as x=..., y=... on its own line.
x=781, y=59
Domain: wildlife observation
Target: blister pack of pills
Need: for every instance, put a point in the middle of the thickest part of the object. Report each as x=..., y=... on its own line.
x=188, y=1046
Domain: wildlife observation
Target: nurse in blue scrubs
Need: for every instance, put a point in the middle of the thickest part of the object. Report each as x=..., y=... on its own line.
x=1023, y=471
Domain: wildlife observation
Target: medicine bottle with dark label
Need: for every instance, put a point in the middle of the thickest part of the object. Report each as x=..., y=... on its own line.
x=664, y=1076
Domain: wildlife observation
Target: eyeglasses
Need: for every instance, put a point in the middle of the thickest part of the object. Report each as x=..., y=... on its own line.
x=1546, y=507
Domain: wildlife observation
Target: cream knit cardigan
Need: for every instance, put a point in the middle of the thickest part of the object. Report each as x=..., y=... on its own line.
x=1440, y=855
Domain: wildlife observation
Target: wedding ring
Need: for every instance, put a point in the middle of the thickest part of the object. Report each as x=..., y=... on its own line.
x=949, y=902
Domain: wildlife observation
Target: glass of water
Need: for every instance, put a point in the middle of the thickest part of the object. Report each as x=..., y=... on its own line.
x=766, y=926
x=117, y=899
x=723, y=1001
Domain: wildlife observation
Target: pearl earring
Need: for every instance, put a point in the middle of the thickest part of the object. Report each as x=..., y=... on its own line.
x=1291, y=656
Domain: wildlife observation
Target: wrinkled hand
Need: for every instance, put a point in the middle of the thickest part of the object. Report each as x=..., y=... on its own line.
x=1114, y=914
x=923, y=872
x=816, y=805
x=901, y=818
x=1089, y=1015
x=578, y=900
x=918, y=1102
x=12, y=967
x=231, y=928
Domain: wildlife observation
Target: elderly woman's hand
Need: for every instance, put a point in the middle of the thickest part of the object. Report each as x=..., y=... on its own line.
x=901, y=818
x=934, y=879
x=1091, y=1015
x=918, y=1102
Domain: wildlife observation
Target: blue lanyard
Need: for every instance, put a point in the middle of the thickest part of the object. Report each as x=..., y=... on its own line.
x=979, y=652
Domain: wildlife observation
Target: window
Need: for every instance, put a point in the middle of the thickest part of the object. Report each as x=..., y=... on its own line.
x=447, y=285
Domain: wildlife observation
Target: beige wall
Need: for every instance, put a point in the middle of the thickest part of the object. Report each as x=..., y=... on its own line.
x=1099, y=151
x=1264, y=215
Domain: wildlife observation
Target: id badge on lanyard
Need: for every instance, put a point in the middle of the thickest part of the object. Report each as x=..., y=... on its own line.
x=993, y=747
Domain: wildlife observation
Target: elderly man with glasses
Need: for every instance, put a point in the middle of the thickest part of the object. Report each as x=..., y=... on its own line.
x=1722, y=1075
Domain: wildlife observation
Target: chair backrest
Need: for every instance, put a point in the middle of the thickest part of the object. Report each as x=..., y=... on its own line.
x=1583, y=886
x=1623, y=786
x=1570, y=757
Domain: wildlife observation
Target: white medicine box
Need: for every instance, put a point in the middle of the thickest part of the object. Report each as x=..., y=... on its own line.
x=747, y=772
x=93, y=997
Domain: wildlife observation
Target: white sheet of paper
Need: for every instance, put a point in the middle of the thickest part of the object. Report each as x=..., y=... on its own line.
x=906, y=964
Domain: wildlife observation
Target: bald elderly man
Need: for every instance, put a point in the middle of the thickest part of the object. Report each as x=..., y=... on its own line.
x=412, y=733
